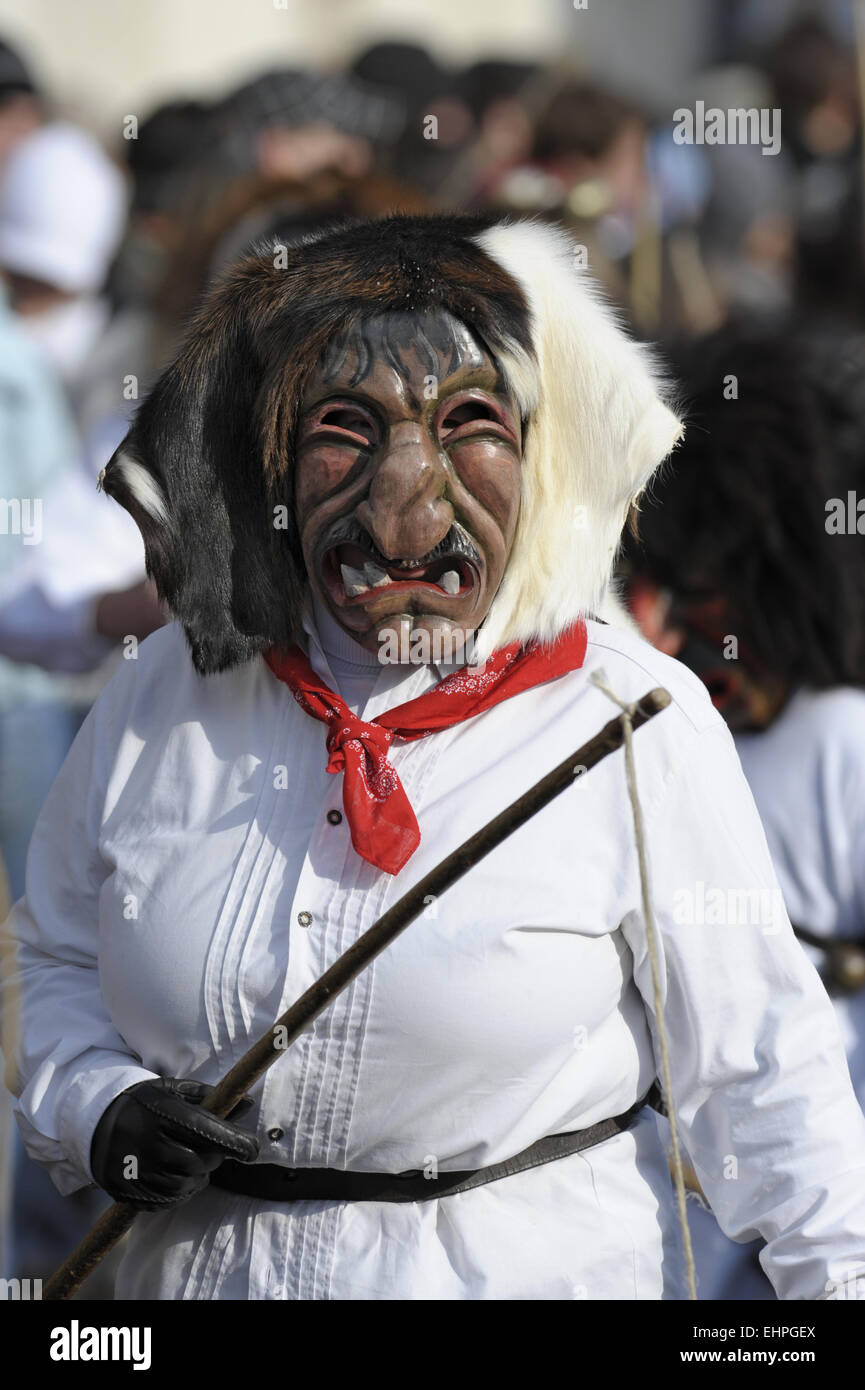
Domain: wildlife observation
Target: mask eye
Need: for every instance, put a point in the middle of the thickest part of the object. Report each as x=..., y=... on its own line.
x=475, y=417
x=464, y=414
x=347, y=424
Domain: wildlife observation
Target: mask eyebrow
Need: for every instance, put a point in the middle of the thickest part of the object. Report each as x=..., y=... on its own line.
x=334, y=355
x=424, y=349
x=432, y=336
x=364, y=362
x=487, y=378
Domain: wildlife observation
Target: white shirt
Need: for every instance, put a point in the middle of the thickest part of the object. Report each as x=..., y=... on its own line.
x=807, y=774
x=160, y=935
x=355, y=671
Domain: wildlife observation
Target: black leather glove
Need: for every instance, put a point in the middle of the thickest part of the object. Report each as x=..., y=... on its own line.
x=155, y=1147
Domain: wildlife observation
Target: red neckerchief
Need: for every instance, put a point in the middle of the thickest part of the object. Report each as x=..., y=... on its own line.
x=384, y=829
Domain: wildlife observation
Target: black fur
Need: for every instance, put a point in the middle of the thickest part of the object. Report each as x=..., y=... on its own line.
x=740, y=510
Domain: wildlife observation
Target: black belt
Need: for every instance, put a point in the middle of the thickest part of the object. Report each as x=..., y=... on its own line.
x=271, y=1182
x=844, y=968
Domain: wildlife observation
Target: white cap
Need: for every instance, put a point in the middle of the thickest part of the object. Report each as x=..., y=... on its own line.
x=62, y=208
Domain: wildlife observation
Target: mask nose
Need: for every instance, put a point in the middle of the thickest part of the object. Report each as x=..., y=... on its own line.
x=405, y=510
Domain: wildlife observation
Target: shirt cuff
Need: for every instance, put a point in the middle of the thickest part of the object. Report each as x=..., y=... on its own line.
x=87, y=1098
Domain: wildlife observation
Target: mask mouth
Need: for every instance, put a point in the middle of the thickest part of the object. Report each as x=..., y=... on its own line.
x=354, y=570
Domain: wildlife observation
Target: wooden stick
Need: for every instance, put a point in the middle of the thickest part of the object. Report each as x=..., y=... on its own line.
x=116, y=1221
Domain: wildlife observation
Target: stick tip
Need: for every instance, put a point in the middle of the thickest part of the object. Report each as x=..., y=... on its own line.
x=656, y=700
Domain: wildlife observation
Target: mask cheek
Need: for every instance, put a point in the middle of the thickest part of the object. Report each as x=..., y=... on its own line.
x=491, y=473
x=321, y=472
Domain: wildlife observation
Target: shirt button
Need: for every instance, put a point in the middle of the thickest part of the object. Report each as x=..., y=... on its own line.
x=334, y=817
x=304, y=919
x=275, y=1134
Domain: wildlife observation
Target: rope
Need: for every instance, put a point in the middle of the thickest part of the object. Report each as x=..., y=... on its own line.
x=599, y=679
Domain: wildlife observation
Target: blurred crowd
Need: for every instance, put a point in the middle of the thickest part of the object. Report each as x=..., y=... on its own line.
x=748, y=268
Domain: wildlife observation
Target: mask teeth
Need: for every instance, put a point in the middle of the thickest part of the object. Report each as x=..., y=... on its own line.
x=450, y=582
x=376, y=578
x=353, y=580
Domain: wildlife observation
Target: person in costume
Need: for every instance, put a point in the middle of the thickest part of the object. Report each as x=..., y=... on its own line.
x=742, y=571
x=381, y=490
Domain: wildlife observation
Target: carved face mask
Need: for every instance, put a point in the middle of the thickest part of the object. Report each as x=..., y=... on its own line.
x=408, y=463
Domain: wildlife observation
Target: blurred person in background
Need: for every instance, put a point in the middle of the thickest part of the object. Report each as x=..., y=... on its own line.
x=749, y=27
x=599, y=164
x=293, y=124
x=437, y=121
x=62, y=205
x=737, y=573
x=788, y=229
x=813, y=76
x=165, y=157
x=501, y=96
x=61, y=216
x=69, y=593
x=38, y=446
x=746, y=230
x=587, y=167
x=20, y=104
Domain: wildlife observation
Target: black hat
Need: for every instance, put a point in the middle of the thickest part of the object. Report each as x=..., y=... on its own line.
x=14, y=76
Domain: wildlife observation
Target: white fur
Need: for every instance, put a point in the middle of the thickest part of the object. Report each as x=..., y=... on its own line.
x=143, y=486
x=598, y=430
x=613, y=610
x=521, y=374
